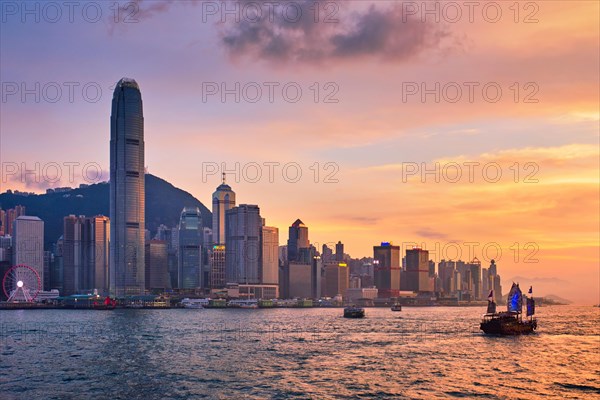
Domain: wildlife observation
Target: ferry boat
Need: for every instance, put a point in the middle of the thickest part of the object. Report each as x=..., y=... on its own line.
x=354, y=312
x=396, y=307
x=511, y=321
x=196, y=304
x=243, y=303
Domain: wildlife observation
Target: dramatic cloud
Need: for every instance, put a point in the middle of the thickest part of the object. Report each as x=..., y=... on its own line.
x=381, y=32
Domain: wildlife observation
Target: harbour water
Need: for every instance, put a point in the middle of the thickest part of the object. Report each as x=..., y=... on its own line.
x=421, y=353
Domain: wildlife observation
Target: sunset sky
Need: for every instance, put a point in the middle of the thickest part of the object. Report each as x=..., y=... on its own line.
x=375, y=139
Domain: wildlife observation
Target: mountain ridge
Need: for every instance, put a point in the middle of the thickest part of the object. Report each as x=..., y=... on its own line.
x=164, y=203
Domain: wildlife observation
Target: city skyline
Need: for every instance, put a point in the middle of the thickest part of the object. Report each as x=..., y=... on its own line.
x=367, y=135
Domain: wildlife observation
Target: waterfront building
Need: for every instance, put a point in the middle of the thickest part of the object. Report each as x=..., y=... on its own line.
x=243, y=229
x=223, y=199
x=28, y=243
x=190, y=235
x=387, y=269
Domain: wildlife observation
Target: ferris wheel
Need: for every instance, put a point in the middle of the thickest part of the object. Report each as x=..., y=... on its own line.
x=21, y=283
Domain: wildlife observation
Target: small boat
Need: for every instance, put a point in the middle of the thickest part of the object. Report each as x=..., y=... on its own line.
x=511, y=321
x=354, y=312
x=396, y=307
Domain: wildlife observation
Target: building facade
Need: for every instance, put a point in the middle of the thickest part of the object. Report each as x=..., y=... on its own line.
x=127, y=190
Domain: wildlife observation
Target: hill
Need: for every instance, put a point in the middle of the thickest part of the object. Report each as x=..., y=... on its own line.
x=164, y=203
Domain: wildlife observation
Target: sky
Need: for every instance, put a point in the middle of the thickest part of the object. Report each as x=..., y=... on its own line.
x=468, y=129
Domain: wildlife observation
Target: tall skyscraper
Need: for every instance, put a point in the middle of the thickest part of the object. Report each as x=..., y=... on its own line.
x=387, y=269
x=417, y=270
x=339, y=251
x=223, y=200
x=157, y=265
x=242, y=248
x=85, y=255
x=337, y=278
x=29, y=243
x=127, y=190
x=190, y=249
x=298, y=243
x=269, y=237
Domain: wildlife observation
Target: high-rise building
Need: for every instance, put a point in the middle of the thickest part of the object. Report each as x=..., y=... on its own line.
x=127, y=190
x=217, y=267
x=191, y=235
x=28, y=243
x=242, y=259
x=270, y=255
x=223, y=200
x=387, y=269
x=326, y=254
x=300, y=280
x=475, y=268
x=337, y=276
x=339, y=251
x=417, y=270
x=85, y=254
x=7, y=219
x=96, y=236
x=157, y=266
x=298, y=243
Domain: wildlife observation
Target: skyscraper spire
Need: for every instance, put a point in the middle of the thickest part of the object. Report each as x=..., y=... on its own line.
x=224, y=175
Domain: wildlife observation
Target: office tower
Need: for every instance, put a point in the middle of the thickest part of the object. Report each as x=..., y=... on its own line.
x=242, y=238
x=28, y=244
x=417, y=270
x=446, y=273
x=337, y=276
x=190, y=249
x=326, y=254
x=493, y=270
x=270, y=255
x=300, y=280
x=223, y=200
x=339, y=251
x=475, y=268
x=85, y=247
x=298, y=243
x=57, y=266
x=72, y=254
x=217, y=267
x=485, y=282
x=127, y=190
x=497, y=288
x=387, y=269
x=157, y=266
x=96, y=237
x=8, y=219
x=431, y=268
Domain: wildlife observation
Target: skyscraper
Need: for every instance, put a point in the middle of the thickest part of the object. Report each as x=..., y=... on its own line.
x=298, y=243
x=157, y=265
x=339, y=251
x=190, y=249
x=387, y=269
x=85, y=254
x=223, y=200
x=337, y=278
x=269, y=238
x=417, y=270
x=127, y=190
x=242, y=248
x=29, y=243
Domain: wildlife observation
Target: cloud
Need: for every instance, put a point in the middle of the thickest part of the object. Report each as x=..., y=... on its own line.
x=379, y=32
x=431, y=234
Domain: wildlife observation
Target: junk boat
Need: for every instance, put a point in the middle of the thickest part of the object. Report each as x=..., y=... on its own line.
x=354, y=312
x=511, y=321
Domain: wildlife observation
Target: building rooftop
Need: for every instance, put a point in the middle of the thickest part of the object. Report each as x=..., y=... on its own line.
x=29, y=218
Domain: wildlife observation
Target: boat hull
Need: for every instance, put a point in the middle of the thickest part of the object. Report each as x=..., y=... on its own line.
x=500, y=326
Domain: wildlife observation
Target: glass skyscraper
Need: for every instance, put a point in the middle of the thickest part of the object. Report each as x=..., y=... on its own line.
x=127, y=190
x=223, y=200
x=191, y=234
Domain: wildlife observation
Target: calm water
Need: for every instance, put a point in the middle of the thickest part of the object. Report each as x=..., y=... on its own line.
x=294, y=353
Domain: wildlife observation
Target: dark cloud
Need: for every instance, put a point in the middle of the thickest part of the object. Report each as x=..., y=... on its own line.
x=381, y=32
